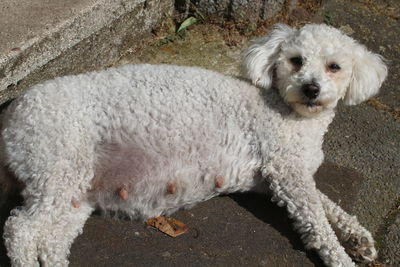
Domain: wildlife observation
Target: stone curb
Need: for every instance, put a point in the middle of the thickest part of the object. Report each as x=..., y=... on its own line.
x=36, y=52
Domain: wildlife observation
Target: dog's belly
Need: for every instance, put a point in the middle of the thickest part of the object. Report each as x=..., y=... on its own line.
x=143, y=181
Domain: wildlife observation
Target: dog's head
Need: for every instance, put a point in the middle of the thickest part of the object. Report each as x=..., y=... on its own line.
x=313, y=67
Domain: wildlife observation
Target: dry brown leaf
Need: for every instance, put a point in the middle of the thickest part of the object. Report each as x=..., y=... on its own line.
x=375, y=103
x=168, y=226
x=378, y=104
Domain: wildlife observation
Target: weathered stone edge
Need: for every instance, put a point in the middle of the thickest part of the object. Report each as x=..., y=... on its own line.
x=36, y=53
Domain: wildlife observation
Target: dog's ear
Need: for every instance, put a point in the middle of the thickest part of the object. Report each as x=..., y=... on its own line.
x=258, y=60
x=369, y=72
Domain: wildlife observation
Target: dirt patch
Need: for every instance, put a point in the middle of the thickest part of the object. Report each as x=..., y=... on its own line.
x=211, y=44
x=202, y=45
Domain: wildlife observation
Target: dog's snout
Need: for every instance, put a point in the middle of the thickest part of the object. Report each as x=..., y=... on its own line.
x=311, y=90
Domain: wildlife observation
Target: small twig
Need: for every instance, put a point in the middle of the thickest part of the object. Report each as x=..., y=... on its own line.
x=197, y=11
x=187, y=6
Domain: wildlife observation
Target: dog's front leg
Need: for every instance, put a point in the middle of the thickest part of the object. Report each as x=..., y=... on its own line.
x=298, y=192
x=357, y=240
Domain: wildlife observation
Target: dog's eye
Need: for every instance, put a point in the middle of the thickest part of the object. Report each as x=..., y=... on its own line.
x=333, y=67
x=296, y=61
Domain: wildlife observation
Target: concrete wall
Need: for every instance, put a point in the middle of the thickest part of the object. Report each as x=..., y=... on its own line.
x=250, y=11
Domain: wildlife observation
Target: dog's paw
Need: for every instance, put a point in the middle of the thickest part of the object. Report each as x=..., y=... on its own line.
x=361, y=248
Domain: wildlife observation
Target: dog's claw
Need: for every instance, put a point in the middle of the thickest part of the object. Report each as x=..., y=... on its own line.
x=367, y=252
x=361, y=249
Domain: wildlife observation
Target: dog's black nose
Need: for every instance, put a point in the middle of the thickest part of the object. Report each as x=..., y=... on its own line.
x=311, y=90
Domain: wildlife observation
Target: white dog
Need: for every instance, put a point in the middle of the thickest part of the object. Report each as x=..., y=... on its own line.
x=148, y=140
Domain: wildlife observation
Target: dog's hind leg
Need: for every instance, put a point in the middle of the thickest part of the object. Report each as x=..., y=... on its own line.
x=356, y=239
x=55, y=241
x=298, y=192
x=44, y=238
x=20, y=240
x=55, y=173
x=44, y=228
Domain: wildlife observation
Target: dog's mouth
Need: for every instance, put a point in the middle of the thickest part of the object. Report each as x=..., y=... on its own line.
x=310, y=104
x=307, y=108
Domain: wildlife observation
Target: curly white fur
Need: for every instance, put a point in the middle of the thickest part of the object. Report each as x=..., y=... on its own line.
x=148, y=140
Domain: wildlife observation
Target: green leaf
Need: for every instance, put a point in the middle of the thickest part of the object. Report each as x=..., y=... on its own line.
x=187, y=23
x=329, y=15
